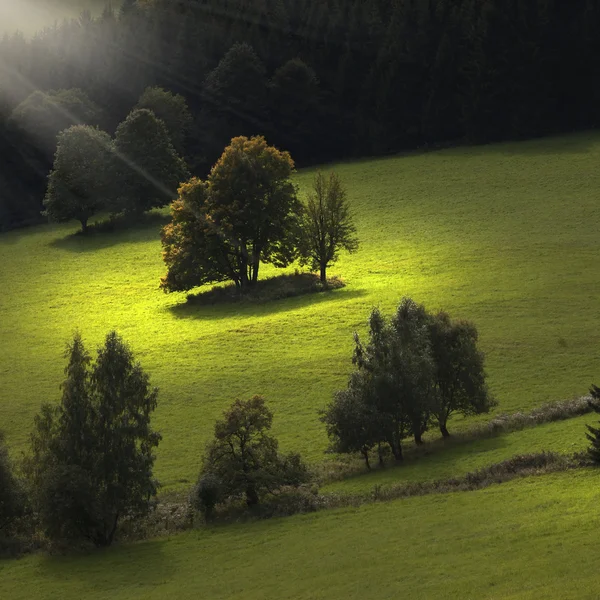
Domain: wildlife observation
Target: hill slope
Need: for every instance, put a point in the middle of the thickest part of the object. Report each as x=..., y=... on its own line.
x=533, y=538
x=503, y=235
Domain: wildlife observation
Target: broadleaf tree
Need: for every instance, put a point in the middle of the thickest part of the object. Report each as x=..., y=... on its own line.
x=147, y=170
x=172, y=110
x=247, y=212
x=460, y=377
x=244, y=456
x=327, y=225
x=79, y=182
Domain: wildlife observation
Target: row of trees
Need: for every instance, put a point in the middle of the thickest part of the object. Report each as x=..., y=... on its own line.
x=323, y=78
x=248, y=212
x=416, y=370
x=137, y=171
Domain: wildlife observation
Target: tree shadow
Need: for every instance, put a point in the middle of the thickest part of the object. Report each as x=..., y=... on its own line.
x=214, y=312
x=106, y=570
x=108, y=233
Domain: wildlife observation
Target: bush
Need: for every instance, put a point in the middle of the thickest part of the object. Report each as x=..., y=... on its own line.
x=243, y=457
x=12, y=498
x=207, y=494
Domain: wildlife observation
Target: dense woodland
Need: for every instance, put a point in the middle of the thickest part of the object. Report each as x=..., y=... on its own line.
x=323, y=79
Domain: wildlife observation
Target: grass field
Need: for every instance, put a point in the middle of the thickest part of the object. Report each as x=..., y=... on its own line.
x=458, y=459
x=30, y=16
x=503, y=235
x=527, y=539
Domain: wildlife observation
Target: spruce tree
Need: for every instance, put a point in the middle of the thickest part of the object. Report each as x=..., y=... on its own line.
x=92, y=455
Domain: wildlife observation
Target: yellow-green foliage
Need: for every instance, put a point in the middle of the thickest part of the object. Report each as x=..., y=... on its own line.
x=504, y=236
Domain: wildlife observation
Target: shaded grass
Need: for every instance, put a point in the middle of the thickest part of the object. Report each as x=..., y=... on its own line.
x=460, y=457
x=502, y=235
x=529, y=538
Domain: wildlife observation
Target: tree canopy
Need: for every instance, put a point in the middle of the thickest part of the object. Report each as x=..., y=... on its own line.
x=92, y=455
x=327, y=225
x=146, y=168
x=244, y=456
x=245, y=213
x=414, y=370
x=79, y=182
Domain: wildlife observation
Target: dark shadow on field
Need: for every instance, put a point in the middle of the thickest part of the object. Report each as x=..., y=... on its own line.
x=110, y=232
x=103, y=571
x=215, y=312
x=575, y=143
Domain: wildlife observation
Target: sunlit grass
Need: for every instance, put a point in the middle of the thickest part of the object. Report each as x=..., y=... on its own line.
x=527, y=539
x=504, y=235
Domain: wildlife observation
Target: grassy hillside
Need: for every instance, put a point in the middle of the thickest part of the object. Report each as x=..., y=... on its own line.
x=504, y=235
x=30, y=16
x=532, y=538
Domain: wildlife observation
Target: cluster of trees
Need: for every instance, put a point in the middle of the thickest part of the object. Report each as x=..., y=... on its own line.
x=247, y=212
x=137, y=171
x=91, y=459
x=416, y=370
x=323, y=78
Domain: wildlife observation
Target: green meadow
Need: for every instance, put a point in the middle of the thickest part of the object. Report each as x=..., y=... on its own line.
x=528, y=539
x=504, y=235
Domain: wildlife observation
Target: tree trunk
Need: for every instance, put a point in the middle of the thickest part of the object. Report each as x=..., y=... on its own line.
x=251, y=495
x=418, y=438
x=444, y=429
x=323, y=274
x=84, y=224
x=380, y=452
x=365, y=454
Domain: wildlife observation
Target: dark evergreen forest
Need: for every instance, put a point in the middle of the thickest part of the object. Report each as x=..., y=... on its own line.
x=324, y=79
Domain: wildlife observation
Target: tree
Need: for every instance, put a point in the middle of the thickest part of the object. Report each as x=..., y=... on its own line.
x=327, y=225
x=243, y=455
x=593, y=434
x=246, y=213
x=172, y=110
x=351, y=423
x=11, y=493
x=237, y=87
x=43, y=115
x=460, y=377
x=79, y=182
x=397, y=365
x=92, y=455
x=147, y=170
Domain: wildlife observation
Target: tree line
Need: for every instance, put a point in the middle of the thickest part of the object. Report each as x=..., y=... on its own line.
x=91, y=456
x=324, y=79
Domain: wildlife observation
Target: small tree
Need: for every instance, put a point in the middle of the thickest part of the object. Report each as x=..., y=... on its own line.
x=171, y=109
x=92, y=456
x=327, y=225
x=79, y=182
x=593, y=434
x=460, y=377
x=351, y=423
x=146, y=170
x=244, y=214
x=243, y=455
